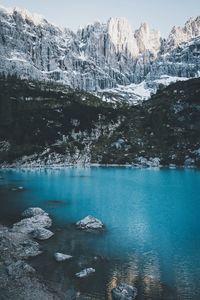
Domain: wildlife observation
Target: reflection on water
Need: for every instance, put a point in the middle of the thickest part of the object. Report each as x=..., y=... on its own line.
x=152, y=223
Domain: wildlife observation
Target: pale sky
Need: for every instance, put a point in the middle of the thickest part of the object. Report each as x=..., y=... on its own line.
x=159, y=14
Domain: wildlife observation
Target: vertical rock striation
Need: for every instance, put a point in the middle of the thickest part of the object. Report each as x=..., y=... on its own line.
x=98, y=56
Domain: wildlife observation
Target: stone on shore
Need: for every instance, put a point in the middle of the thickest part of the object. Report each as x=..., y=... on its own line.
x=85, y=273
x=35, y=218
x=42, y=234
x=89, y=222
x=124, y=292
x=61, y=257
x=18, y=279
x=29, y=224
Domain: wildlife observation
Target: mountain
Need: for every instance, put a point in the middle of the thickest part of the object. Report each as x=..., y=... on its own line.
x=47, y=124
x=179, y=35
x=99, y=57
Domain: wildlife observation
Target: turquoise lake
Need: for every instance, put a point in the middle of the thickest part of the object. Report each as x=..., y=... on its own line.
x=152, y=228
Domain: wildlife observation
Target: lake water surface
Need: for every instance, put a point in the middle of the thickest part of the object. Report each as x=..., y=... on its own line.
x=152, y=235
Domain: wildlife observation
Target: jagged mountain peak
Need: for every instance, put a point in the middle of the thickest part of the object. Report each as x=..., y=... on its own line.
x=121, y=22
x=7, y=10
x=122, y=35
x=25, y=14
x=148, y=39
x=178, y=34
x=98, y=56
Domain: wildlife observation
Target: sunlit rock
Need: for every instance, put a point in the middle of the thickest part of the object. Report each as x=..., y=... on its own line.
x=89, y=222
x=61, y=257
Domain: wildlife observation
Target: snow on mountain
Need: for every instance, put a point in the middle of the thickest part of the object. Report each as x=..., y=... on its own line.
x=136, y=93
x=179, y=35
x=98, y=57
x=25, y=14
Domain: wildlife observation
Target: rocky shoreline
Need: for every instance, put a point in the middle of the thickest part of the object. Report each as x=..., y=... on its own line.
x=20, y=280
x=143, y=163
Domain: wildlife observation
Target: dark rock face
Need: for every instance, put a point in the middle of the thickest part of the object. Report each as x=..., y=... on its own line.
x=99, y=56
x=15, y=270
x=124, y=292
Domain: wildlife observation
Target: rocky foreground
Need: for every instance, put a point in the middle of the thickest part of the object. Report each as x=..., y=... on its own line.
x=18, y=279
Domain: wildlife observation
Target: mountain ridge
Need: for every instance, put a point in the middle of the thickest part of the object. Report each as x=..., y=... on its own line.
x=97, y=57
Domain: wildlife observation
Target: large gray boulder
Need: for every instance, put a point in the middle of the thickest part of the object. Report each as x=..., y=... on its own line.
x=89, y=222
x=32, y=212
x=29, y=224
x=35, y=218
x=124, y=292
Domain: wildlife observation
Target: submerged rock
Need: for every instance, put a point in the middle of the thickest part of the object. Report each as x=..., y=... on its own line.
x=61, y=257
x=56, y=202
x=101, y=258
x=17, y=189
x=89, y=222
x=124, y=292
x=42, y=234
x=32, y=212
x=85, y=273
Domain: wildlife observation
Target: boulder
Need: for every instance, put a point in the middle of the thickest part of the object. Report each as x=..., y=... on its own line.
x=89, y=222
x=61, y=257
x=85, y=273
x=124, y=292
x=42, y=234
x=29, y=224
x=32, y=212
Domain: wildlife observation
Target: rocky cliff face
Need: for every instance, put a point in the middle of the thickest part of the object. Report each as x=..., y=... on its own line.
x=179, y=35
x=98, y=56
